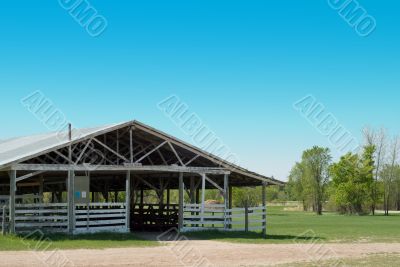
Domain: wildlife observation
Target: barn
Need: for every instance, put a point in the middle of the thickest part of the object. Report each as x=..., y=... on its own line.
x=96, y=179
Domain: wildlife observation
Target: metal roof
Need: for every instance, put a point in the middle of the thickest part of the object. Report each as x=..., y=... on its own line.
x=18, y=148
x=21, y=148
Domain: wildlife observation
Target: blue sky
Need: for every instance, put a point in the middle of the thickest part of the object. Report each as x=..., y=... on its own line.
x=239, y=65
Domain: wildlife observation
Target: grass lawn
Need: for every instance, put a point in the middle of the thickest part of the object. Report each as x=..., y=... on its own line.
x=294, y=226
x=63, y=241
x=368, y=261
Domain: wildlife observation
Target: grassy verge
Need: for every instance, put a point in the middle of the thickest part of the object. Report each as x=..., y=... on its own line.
x=293, y=226
x=62, y=241
x=368, y=261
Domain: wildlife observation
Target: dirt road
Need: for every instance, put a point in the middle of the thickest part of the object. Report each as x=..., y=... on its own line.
x=196, y=253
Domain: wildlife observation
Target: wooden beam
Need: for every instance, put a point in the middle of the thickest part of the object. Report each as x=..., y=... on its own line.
x=147, y=183
x=226, y=200
x=64, y=157
x=176, y=154
x=131, y=145
x=203, y=195
x=13, y=188
x=264, y=204
x=181, y=199
x=110, y=149
x=83, y=151
x=215, y=184
x=26, y=176
x=230, y=193
x=71, y=204
x=126, y=167
x=128, y=199
x=150, y=152
x=193, y=159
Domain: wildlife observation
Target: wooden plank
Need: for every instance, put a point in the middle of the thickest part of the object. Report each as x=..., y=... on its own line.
x=13, y=188
x=128, y=199
x=181, y=204
x=203, y=222
x=203, y=192
x=41, y=205
x=98, y=229
x=82, y=167
x=21, y=178
x=189, y=229
x=41, y=224
x=95, y=216
x=110, y=211
x=101, y=222
x=70, y=197
x=41, y=211
x=205, y=210
x=205, y=217
x=37, y=218
x=246, y=218
x=236, y=209
x=226, y=200
x=264, y=204
x=101, y=204
x=256, y=208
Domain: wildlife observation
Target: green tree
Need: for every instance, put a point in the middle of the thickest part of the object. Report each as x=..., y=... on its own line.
x=353, y=180
x=315, y=162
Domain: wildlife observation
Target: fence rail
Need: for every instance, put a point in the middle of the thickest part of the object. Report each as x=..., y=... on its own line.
x=47, y=217
x=197, y=217
x=99, y=217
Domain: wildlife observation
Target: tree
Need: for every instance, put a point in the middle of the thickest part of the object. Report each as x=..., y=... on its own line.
x=295, y=185
x=352, y=179
x=389, y=173
x=377, y=139
x=315, y=162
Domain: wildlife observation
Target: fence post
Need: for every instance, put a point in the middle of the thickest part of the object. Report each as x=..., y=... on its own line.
x=181, y=204
x=3, y=222
x=246, y=218
x=264, y=211
x=226, y=201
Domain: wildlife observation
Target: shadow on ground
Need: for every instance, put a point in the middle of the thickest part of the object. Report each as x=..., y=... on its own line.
x=219, y=235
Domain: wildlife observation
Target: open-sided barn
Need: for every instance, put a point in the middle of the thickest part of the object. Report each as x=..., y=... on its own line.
x=74, y=181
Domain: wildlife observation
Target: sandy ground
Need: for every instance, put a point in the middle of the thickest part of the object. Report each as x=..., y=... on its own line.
x=197, y=253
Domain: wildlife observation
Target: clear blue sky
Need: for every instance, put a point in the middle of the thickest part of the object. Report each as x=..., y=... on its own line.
x=239, y=65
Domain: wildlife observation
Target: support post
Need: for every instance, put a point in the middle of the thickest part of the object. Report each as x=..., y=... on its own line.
x=246, y=218
x=13, y=188
x=130, y=145
x=41, y=189
x=230, y=193
x=128, y=199
x=264, y=204
x=203, y=195
x=3, y=220
x=71, y=208
x=226, y=202
x=192, y=191
x=181, y=196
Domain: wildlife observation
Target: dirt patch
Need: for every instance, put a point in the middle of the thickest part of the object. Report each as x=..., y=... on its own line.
x=198, y=253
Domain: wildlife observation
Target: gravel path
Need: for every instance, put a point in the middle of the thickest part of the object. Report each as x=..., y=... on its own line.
x=197, y=253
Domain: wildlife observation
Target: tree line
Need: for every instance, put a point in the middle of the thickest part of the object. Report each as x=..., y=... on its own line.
x=358, y=183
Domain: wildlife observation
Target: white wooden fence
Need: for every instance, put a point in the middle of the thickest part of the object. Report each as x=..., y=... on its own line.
x=100, y=217
x=215, y=217
x=247, y=219
x=43, y=216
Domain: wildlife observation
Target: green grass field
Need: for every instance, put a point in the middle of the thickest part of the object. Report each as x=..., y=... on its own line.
x=62, y=241
x=295, y=226
x=282, y=227
x=368, y=261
